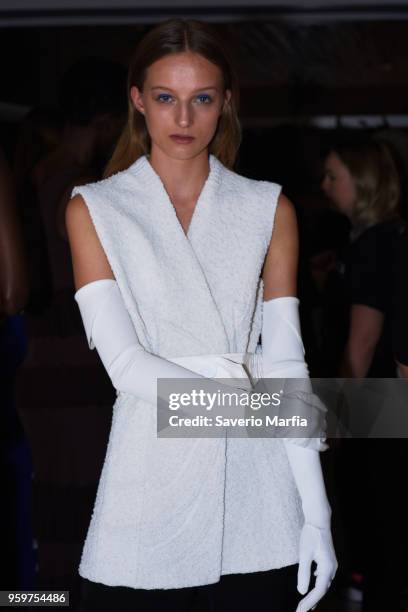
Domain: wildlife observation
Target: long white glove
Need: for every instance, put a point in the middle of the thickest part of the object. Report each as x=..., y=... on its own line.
x=283, y=357
x=131, y=368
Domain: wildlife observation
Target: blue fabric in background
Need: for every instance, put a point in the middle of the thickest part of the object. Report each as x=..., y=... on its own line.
x=15, y=466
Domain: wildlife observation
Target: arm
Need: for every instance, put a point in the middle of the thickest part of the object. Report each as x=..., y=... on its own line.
x=13, y=268
x=65, y=198
x=365, y=330
x=403, y=370
x=283, y=356
x=400, y=306
x=107, y=323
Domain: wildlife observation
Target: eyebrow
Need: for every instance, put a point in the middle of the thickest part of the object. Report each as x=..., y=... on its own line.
x=170, y=89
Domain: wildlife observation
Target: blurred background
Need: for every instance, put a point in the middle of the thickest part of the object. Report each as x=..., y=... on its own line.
x=312, y=74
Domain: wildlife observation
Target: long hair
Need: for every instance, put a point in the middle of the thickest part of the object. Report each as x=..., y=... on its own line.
x=376, y=180
x=170, y=37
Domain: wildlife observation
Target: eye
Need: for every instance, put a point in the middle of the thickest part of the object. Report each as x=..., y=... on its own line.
x=204, y=98
x=163, y=97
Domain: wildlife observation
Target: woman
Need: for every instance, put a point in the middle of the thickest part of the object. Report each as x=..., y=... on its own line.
x=362, y=182
x=169, y=287
x=13, y=451
x=400, y=328
x=13, y=277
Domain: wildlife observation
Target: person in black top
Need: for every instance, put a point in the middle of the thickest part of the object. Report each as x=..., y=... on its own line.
x=370, y=266
x=363, y=183
x=400, y=326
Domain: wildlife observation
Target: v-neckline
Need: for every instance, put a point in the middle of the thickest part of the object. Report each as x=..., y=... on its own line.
x=202, y=197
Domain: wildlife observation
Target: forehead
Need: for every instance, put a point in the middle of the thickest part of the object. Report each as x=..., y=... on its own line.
x=183, y=70
x=334, y=162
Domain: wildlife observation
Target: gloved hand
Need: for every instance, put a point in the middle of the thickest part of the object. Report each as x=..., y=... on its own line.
x=131, y=368
x=283, y=357
x=316, y=542
x=316, y=545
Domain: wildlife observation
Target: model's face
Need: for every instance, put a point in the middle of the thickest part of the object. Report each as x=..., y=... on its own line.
x=182, y=95
x=338, y=184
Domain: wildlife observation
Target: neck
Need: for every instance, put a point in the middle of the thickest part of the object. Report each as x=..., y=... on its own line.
x=182, y=178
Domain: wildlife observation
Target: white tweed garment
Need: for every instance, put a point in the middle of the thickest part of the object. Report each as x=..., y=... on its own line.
x=172, y=513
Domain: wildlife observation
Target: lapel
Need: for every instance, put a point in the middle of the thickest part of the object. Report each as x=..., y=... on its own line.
x=182, y=258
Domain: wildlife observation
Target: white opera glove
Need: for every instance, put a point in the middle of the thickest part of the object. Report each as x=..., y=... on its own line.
x=283, y=357
x=316, y=542
x=131, y=368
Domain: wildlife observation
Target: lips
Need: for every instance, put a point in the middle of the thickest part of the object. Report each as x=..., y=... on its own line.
x=182, y=139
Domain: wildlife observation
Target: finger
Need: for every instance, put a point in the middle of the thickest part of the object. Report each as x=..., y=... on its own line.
x=315, y=595
x=304, y=573
x=311, y=600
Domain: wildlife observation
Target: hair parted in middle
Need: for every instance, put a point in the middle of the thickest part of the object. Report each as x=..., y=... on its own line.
x=171, y=37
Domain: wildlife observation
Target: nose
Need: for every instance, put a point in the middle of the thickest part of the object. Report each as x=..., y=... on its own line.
x=184, y=115
x=324, y=185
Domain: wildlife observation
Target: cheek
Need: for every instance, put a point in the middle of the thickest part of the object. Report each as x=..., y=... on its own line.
x=209, y=118
x=329, y=188
x=353, y=192
x=348, y=192
x=157, y=118
x=158, y=113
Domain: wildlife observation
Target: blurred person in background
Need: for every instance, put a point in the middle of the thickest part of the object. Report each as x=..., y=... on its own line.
x=38, y=135
x=400, y=325
x=362, y=181
x=15, y=536
x=13, y=264
x=63, y=394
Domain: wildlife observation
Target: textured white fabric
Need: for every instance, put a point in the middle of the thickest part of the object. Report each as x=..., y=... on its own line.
x=131, y=368
x=172, y=513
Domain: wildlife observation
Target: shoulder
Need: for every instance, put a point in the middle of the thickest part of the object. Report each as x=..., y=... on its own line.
x=402, y=243
x=283, y=244
x=285, y=225
x=280, y=267
x=103, y=186
x=285, y=239
x=84, y=195
x=377, y=238
x=77, y=215
x=285, y=209
x=98, y=199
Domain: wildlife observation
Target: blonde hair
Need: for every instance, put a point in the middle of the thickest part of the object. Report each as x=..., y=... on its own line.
x=376, y=180
x=170, y=37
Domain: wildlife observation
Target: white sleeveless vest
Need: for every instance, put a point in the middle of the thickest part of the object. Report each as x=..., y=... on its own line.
x=172, y=513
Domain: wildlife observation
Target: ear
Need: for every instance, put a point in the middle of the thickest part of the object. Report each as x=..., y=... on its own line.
x=137, y=99
x=227, y=98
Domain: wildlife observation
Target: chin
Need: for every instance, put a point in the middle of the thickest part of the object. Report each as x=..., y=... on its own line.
x=189, y=153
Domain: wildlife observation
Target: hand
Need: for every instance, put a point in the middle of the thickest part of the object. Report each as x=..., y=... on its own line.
x=316, y=544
